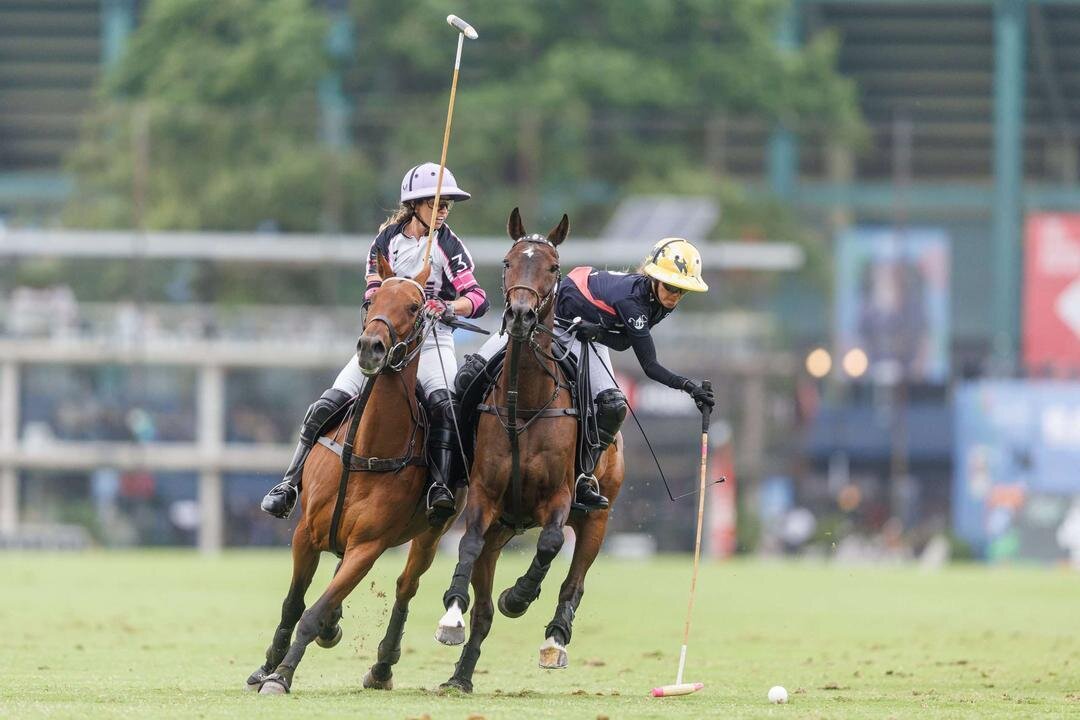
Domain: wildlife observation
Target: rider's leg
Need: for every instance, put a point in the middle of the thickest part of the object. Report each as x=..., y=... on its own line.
x=281, y=499
x=437, y=366
x=475, y=363
x=610, y=412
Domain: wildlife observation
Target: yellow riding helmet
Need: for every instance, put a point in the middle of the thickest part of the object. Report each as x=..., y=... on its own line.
x=676, y=262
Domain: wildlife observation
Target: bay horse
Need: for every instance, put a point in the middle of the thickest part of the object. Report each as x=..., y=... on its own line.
x=382, y=500
x=533, y=406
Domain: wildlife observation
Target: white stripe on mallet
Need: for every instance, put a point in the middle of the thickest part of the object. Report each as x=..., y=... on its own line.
x=465, y=30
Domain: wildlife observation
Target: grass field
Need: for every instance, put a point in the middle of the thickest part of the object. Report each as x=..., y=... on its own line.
x=168, y=634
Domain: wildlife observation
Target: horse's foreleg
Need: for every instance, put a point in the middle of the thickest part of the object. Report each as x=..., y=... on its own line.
x=478, y=518
x=330, y=631
x=421, y=553
x=358, y=561
x=589, y=533
x=514, y=601
x=483, y=610
x=305, y=563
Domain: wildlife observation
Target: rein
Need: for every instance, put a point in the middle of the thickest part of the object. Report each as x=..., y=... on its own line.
x=510, y=424
x=351, y=463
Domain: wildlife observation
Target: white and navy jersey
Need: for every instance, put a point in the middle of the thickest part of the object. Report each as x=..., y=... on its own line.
x=624, y=305
x=451, y=264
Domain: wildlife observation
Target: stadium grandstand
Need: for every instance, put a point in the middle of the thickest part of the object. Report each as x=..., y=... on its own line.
x=970, y=108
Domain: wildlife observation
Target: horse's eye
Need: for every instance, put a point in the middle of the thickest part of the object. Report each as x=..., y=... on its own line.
x=555, y=268
x=414, y=308
x=506, y=263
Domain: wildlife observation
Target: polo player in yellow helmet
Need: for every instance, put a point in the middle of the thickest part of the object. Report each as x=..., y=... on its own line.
x=618, y=311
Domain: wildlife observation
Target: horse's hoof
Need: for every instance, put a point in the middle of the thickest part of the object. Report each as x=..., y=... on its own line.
x=553, y=655
x=323, y=642
x=255, y=680
x=274, y=684
x=506, y=608
x=450, y=635
x=370, y=683
x=456, y=684
x=451, y=629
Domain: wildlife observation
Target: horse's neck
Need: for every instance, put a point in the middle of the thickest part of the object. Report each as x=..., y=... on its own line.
x=535, y=383
x=388, y=420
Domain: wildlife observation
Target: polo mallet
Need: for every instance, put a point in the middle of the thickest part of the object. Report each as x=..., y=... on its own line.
x=465, y=30
x=681, y=688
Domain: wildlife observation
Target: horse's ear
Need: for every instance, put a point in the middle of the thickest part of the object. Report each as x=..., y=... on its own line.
x=424, y=273
x=514, y=226
x=560, y=231
x=383, y=265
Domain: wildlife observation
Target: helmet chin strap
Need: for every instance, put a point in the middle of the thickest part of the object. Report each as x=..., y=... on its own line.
x=417, y=218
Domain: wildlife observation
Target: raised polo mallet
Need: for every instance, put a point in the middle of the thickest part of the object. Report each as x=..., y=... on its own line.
x=465, y=30
x=680, y=687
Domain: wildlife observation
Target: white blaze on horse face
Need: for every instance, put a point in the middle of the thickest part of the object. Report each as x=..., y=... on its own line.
x=528, y=252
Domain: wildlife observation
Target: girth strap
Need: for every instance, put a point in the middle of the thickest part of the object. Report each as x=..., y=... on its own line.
x=525, y=413
x=373, y=464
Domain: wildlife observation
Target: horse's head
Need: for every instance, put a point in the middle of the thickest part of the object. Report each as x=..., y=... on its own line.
x=530, y=275
x=394, y=323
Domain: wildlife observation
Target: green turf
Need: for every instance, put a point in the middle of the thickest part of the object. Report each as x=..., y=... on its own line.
x=168, y=634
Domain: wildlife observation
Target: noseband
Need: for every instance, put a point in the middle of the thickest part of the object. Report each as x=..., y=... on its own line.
x=400, y=347
x=542, y=302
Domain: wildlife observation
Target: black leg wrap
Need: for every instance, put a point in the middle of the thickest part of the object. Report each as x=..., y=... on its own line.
x=390, y=647
x=561, y=626
x=457, y=592
x=466, y=664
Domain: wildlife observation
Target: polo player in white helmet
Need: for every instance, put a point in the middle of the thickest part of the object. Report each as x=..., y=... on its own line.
x=451, y=290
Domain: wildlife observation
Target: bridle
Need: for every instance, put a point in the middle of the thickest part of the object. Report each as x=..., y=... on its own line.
x=542, y=302
x=399, y=354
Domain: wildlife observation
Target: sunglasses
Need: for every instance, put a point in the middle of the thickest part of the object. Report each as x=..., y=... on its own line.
x=674, y=290
x=443, y=205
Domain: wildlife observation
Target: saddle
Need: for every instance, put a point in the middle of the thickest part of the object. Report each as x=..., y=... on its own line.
x=471, y=399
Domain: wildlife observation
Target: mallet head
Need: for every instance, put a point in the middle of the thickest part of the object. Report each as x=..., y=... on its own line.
x=461, y=26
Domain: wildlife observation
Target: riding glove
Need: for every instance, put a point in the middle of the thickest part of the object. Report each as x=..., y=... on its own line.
x=439, y=309
x=702, y=397
x=588, y=332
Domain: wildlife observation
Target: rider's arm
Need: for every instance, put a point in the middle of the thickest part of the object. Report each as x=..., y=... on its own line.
x=381, y=243
x=645, y=350
x=471, y=300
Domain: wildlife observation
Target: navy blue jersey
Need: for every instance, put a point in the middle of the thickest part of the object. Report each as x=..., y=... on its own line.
x=624, y=305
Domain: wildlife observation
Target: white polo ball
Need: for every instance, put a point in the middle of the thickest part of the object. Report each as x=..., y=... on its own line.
x=777, y=695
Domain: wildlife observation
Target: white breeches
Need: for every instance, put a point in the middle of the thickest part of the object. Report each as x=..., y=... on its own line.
x=430, y=373
x=600, y=376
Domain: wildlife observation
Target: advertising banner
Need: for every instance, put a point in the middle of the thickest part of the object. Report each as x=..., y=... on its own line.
x=1051, y=328
x=1016, y=480
x=892, y=300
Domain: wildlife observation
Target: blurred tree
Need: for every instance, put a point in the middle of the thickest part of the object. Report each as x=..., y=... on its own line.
x=570, y=103
x=209, y=121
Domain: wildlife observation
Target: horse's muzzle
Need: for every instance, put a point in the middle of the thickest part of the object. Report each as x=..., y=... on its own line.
x=522, y=319
x=371, y=354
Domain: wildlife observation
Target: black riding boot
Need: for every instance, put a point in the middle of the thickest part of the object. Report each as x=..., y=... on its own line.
x=281, y=499
x=441, y=447
x=610, y=412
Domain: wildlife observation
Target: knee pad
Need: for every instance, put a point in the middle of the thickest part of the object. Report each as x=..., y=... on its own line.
x=470, y=370
x=611, y=407
x=440, y=404
x=320, y=411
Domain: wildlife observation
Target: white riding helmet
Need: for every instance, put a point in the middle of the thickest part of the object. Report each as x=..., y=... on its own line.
x=419, y=184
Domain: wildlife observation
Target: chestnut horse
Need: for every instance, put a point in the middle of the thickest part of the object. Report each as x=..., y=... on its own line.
x=380, y=508
x=546, y=438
